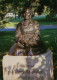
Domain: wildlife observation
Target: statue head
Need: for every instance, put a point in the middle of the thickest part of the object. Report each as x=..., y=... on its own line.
x=27, y=13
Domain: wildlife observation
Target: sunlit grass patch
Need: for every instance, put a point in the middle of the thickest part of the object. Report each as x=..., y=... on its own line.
x=11, y=24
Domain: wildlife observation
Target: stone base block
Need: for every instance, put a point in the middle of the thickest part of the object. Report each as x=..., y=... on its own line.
x=38, y=67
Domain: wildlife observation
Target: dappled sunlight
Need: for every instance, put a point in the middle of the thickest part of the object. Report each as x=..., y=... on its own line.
x=28, y=67
x=11, y=24
x=46, y=41
x=8, y=37
x=49, y=36
x=46, y=35
x=11, y=41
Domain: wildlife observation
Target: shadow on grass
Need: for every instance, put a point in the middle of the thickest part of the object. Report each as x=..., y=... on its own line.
x=50, y=39
x=1, y=70
x=6, y=41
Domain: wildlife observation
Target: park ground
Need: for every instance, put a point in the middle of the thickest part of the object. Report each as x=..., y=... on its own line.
x=49, y=37
x=43, y=20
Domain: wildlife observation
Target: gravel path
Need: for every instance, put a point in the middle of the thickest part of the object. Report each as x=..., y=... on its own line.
x=48, y=26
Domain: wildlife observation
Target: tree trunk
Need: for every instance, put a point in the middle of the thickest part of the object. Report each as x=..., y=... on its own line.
x=18, y=13
x=51, y=12
x=15, y=15
x=2, y=17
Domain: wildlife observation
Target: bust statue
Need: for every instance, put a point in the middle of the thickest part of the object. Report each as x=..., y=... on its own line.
x=28, y=41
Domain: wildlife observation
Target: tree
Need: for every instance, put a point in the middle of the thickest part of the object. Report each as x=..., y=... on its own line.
x=15, y=5
x=49, y=3
x=39, y=5
x=4, y=7
x=18, y=5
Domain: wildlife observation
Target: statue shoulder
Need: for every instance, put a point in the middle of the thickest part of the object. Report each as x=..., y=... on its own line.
x=36, y=23
x=19, y=25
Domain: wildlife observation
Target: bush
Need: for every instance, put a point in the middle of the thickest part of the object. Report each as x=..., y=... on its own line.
x=4, y=22
x=50, y=18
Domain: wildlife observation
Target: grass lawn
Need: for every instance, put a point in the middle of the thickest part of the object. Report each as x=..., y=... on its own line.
x=13, y=22
x=7, y=39
x=43, y=20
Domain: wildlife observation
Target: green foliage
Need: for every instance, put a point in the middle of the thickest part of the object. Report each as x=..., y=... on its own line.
x=3, y=8
x=3, y=23
x=50, y=18
x=16, y=6
x=49, y=3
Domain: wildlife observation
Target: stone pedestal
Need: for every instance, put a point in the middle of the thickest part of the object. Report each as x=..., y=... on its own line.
x=38, y=67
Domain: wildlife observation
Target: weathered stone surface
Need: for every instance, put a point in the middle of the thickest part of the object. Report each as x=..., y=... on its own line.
x=38, y=67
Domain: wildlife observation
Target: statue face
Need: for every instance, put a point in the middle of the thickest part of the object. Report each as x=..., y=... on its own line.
x=28, y=14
